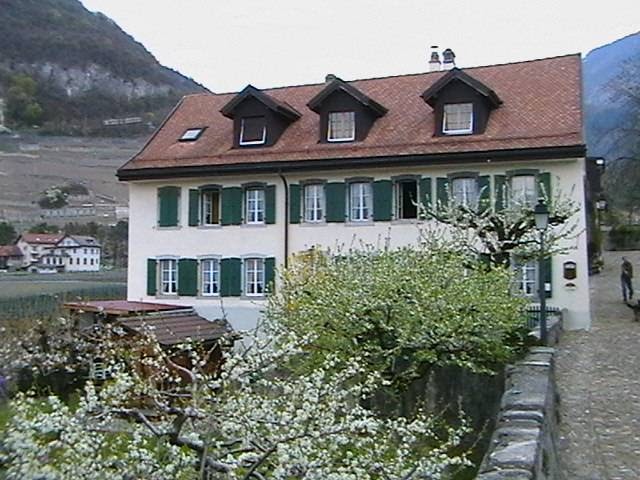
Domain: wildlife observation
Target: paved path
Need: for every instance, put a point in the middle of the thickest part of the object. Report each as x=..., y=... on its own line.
x=599, y=384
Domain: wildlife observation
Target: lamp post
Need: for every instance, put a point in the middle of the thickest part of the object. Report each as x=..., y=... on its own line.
x=541, y=217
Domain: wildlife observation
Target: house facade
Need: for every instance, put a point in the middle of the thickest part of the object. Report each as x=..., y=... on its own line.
x=231, y=185
x=78, y=253
x=58, y=252
x=35, y=245
x=10, y=257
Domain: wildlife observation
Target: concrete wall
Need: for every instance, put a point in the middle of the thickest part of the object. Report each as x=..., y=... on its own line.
x=146, y=240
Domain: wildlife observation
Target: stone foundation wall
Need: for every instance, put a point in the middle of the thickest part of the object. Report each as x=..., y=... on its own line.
x=524, y=443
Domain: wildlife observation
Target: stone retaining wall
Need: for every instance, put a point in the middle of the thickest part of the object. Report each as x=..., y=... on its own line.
x=524, y=443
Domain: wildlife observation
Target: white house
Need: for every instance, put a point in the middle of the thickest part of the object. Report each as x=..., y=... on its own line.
x=76, y=253
x=35, y=245
x=231, y=185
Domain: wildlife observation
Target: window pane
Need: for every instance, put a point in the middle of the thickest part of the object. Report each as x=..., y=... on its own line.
x=527, y=278
x=210, y=207
x=254, y=276
x=464, y=192
x=313, y=202
x=360, y=201
x=458, y=118
x=168, y=276
x=191, y=134
x=253, y=130
x=210, y=273
x=341, y=126
x=523, y=190
x=254, y=205
x=407, y=199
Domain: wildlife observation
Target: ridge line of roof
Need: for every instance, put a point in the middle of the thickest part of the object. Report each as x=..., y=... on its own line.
x=282, y=87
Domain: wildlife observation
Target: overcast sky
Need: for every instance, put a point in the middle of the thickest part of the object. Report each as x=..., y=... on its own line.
x=227, y=44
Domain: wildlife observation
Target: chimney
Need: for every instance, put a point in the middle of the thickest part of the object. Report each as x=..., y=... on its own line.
x=448, y=59
x=329, y=78
x=434, y=61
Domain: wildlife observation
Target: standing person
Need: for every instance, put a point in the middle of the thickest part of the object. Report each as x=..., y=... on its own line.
x=626, y=275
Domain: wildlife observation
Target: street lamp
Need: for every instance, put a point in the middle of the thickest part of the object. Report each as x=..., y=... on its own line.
x=541, y=217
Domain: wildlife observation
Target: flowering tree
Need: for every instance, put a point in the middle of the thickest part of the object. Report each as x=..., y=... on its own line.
x=406, y=309
x=501, y=233
x=252, y=419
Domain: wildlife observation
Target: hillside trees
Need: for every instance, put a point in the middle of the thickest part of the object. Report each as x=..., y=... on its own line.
x=622, y=175
x=22, y=108
x=8, y=233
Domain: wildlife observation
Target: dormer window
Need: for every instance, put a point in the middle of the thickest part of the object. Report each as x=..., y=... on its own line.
x=253, y=131
x=341, y=126
x=457, y=118
x=191, y=134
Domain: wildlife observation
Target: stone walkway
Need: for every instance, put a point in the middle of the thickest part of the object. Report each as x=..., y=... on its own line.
x=599, y=384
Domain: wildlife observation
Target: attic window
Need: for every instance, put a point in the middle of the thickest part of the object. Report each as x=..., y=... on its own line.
x=253, y=131
x=457, y=118
x=341, y=126
x=191, y=134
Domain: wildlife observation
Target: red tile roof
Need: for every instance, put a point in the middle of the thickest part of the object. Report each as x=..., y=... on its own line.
x=10, y=251
x=175, y=327
x=44, y=238
x=542, y=108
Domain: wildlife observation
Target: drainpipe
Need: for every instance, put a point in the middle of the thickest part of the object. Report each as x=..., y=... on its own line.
x=286, y=219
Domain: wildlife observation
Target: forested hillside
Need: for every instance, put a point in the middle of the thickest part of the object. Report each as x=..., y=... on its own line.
x=68, y=69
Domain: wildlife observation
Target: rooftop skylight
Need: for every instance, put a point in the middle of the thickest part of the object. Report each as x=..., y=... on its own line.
x=191, y=134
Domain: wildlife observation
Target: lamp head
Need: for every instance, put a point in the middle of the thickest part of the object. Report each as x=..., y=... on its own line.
x=541, y=215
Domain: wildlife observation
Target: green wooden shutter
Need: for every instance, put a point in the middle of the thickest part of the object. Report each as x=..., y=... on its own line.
x=168, y=204
x=269, y=273
x=294, y=203
x=232, y=206
x=548, y=275
x=382, y=203
x=230, y=277
x=500, y=192
x=270, y=204
x=442, y=191
x=544, y=187
x=484, y=190
x=152, y=271
x=425, y=192
x=335, y=200
x=194, y=207
x=187, y=277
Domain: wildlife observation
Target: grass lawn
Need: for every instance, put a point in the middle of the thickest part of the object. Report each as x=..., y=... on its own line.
x=14, y=285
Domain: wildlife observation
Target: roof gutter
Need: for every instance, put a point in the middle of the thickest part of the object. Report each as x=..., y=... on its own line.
x=541, y=153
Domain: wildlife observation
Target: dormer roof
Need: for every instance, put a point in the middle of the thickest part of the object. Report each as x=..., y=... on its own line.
x=338, y=84
x=430, y=95
x=277, y=106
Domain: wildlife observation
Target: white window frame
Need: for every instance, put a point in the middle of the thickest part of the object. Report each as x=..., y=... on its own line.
x=469, y=199
x=342, y=119
x=253, y=276
x=360, y=201
x=171, y=283
x=527, y=278
x=458, y=107
x=254, y=205
x=314, y=202
x=522, y=196
x=203, y=204
x=252, y=142
x=209, y=277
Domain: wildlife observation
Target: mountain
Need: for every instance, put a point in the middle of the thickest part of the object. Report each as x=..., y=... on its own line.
x=70, y=69
x=607, y=71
